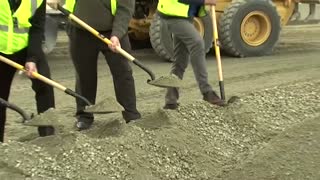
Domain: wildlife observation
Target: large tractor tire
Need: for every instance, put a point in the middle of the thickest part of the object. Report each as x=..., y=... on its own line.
x=249, y=28
x=162, y=42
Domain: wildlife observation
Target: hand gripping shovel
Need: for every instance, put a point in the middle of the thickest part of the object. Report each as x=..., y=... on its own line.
x=218, y=57
x=109, y=106
x=163, y=81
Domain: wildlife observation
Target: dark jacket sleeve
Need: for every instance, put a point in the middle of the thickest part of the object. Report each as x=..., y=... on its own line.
x=192, y=2
x=36, y=34
x=125, y=10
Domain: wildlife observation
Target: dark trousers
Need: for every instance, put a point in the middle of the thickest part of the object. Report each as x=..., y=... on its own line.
x=43, y=93
x=84, y=48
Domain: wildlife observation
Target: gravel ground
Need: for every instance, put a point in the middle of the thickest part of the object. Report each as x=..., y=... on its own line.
x=199, y=141
x=272, y=132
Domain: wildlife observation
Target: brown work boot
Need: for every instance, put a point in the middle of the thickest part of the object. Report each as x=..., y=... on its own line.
x=213, y=98
x=171, y=99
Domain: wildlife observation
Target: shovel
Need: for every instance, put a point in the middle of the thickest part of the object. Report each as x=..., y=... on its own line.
x=11, y=106
x=218, y=57
x=163, y=81
x=113, y=105
x=45, y=119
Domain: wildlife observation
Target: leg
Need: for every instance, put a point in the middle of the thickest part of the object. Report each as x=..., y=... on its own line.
x=296, y=14
x=7, y=74
x=312, y=12
x=123, y=80
x=84, y=53
x=44, y=94
x=181, y=56
x=189, y=36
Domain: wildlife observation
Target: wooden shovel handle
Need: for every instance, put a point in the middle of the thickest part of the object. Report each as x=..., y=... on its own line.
x=216, y=42
x=34, y=74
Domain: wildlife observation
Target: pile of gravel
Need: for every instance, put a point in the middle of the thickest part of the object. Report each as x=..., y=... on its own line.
x=199, y=141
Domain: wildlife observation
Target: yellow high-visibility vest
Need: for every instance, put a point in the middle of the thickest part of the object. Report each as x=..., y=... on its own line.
x=69, y=5
x=14, y=28
x=175, y=8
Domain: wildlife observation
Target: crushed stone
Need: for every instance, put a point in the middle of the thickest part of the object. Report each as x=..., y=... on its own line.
x=198, y=141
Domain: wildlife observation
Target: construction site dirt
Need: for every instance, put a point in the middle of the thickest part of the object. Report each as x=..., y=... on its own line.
x=272, y=132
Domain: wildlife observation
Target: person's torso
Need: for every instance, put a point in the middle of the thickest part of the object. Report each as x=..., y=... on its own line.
x=97, y=13
x=15, y=23
x=177, y=9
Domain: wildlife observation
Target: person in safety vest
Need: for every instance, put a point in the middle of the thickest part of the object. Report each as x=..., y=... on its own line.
x=21, y=33
x=111, y=18
x=188, y=46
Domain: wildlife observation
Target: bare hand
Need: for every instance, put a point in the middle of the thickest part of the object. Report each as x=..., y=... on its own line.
x=115, y=43
x=30, y=68
x=53, y=3
x=210, y=2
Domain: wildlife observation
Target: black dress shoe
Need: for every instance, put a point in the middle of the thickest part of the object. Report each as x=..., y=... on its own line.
x=130, y=116
x=83, y=123
x=173, y=106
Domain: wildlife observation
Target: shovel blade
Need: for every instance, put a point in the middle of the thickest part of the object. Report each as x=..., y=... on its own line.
x=233, y=99
x=166, y=82
x=108, y=105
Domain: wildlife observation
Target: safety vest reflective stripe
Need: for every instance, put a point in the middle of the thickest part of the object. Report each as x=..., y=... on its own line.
x=21, y=30
x=15, y=29
x=4, y=28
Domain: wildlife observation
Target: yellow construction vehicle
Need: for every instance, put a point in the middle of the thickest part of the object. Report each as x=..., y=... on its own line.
x=246, y=27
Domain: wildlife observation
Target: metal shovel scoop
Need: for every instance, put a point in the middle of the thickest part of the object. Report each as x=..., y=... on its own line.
x=11, y=106
x=42, y=120
x=164, y=81
x=102, y=110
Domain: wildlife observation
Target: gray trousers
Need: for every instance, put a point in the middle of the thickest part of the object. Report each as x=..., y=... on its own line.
x=188, y=46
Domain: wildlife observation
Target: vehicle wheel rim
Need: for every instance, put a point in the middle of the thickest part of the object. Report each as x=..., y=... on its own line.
x=256, y=28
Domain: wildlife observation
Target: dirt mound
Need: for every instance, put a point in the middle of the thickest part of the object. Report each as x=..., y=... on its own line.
x=107, y=105
x=199, y=141
x=294, y=154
